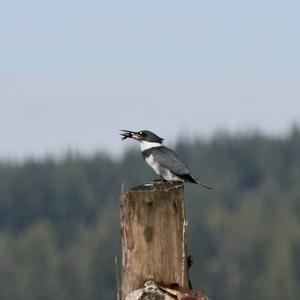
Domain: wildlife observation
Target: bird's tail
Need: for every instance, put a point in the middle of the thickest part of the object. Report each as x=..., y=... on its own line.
x=195, y=180
x=203, y=184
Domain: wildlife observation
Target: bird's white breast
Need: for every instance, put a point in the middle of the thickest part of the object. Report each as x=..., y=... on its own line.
x=164, y=172
x=153, y=164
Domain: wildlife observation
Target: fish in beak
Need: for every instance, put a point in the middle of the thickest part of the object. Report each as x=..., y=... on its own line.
x=129, y=134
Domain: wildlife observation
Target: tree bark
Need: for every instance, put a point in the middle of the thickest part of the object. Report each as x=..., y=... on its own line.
x=153, y=236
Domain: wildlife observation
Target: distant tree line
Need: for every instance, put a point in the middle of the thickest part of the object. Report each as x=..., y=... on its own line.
x=59, y=220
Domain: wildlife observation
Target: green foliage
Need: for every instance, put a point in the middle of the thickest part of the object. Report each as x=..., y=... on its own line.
x=59, y=230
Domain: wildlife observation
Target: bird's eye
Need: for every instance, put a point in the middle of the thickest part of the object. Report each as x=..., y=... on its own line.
x=141, y=133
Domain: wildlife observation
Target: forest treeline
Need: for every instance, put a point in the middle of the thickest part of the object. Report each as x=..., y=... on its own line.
x=59, y=230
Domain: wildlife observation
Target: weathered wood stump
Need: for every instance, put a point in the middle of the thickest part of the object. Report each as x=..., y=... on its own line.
x=153, y=236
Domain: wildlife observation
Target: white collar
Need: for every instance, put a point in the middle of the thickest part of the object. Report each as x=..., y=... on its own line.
x=147, y=145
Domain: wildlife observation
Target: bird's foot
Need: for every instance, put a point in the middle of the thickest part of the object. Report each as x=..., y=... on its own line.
x=161, y=180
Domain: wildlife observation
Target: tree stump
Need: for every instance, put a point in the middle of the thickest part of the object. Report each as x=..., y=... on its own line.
x=153, y=236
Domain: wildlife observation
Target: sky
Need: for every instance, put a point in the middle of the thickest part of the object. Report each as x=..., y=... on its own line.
x=72, y=73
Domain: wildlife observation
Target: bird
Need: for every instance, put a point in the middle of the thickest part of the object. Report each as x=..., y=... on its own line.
x=160, y=158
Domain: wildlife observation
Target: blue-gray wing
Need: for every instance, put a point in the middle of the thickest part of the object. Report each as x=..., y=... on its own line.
x=167, y=158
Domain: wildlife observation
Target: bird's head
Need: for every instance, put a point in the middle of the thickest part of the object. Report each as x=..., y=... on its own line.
x=143, y=135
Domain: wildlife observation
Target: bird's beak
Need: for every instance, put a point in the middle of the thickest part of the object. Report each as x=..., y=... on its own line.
x=130, y=134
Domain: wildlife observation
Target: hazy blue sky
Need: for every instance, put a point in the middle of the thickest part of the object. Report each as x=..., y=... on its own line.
x=74, y=72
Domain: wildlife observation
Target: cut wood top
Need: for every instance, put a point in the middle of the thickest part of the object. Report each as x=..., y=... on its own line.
x=157, y=185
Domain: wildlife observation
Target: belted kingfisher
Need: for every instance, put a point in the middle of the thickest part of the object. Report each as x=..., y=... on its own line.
x=161, y=159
